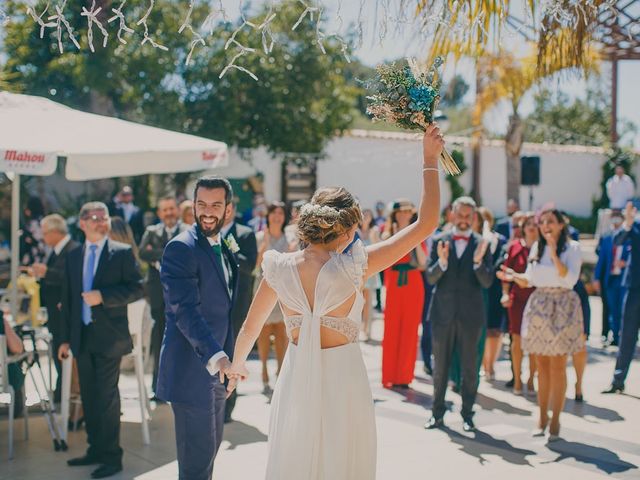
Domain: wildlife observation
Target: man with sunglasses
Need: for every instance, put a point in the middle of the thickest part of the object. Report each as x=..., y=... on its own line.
x=102, y=278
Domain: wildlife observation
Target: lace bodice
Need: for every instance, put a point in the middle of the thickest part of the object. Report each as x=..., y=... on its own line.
x=338, y=279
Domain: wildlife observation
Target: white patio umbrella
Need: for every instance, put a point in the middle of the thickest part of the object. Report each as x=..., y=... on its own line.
x=35, y=131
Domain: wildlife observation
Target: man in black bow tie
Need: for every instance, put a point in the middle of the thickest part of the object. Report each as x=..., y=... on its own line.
x=460, y=267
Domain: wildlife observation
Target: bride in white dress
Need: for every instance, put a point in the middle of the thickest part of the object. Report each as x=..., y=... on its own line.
x=322, y=424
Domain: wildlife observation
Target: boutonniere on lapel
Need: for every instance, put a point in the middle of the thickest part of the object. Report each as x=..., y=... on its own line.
x=231, y=244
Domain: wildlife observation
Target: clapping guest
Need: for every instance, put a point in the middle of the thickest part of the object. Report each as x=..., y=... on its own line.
x=154, y=240
x=102, y=278
x=552, y=326
x=514, y=299
x=404, y=304
x=52, y=273
x=273, y=238
x=460, y=268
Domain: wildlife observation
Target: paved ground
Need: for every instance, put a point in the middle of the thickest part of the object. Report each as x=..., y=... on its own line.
x=600, y=438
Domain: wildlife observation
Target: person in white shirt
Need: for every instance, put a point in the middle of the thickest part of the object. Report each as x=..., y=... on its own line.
x=620, y=189
x=552, y=324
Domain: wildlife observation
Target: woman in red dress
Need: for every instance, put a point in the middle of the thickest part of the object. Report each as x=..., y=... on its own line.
x=404, y=303
x=515, y=298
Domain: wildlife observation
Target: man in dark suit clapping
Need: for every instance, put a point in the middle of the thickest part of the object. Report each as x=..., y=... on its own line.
x=247, y=256
x=55, y=234
x=102, y=278
x=154, y=240
x=461, y=266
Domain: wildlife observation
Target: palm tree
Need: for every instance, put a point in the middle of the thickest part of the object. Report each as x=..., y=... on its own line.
x=508, y=78
x=565, y=31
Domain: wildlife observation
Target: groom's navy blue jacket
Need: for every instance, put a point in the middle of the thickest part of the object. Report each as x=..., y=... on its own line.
x=198, y=317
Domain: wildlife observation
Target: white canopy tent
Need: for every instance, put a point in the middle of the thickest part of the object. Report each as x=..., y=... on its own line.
x=35, y=131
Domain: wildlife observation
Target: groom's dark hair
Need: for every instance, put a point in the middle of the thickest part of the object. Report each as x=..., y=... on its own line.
x=212, y=182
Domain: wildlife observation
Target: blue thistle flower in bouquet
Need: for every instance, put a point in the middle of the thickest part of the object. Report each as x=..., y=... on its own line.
x=422, y=97
x=407, y=97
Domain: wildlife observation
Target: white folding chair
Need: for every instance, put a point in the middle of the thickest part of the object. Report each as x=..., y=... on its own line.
x=7, y=389
x=136, y=311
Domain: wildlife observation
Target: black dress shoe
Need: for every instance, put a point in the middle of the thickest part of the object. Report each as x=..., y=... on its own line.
x=468, y=425
x=455, y=389
x=579, y=398
x=104, y=471
x=510, y=383
x=434, y=423
x=614, y=389
x=83, y=461
x=428, y=370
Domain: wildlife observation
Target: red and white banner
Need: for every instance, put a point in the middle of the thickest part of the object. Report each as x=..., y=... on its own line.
x=26, y=162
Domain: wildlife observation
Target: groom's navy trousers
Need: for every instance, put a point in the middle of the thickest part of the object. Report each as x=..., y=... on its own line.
x=199, y=434
x=198, y=325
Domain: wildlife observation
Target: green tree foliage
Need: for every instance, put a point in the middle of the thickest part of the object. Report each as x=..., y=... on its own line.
x=300, y=101
x=557, y=118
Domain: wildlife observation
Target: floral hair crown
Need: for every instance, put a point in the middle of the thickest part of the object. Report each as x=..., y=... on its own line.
x=319, y=210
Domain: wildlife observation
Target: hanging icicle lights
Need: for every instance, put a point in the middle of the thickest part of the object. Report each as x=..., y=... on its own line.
x=386, y=17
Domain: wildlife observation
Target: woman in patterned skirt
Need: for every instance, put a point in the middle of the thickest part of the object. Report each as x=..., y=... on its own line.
x=552, y=322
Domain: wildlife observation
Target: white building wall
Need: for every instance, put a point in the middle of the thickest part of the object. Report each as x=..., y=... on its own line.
x=384, y=166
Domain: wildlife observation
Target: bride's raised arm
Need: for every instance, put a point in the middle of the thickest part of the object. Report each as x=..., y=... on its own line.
x=388, y=252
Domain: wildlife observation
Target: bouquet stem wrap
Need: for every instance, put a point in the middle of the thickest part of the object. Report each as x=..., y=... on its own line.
x=446, y=160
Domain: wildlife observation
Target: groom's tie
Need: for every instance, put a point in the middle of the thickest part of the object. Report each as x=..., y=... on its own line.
x=217, y=250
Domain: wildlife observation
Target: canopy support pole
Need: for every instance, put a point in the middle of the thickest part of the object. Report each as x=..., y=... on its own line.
x=15, y=244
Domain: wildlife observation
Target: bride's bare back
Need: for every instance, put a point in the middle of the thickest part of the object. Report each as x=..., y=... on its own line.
x=309, y=268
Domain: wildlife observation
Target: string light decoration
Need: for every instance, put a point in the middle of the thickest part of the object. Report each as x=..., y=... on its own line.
x=122, y=27
x=58, y=21
x=461, y=20
x=92, y=17
x=147, y=38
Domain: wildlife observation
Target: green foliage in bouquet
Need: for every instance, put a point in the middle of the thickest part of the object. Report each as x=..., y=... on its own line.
x=405, y=95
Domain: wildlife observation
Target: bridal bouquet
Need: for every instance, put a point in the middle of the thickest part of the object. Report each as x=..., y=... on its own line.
x=407, y=97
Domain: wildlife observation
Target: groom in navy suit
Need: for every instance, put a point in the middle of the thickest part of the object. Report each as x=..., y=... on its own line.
x=199, y=275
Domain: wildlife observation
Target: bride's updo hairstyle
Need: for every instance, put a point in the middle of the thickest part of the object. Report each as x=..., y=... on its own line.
x=332, y=212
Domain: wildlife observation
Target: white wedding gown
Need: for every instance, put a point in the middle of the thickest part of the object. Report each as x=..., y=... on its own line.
x=322, y=424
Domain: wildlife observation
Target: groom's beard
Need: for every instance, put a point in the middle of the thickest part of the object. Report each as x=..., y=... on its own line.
x=210, y=224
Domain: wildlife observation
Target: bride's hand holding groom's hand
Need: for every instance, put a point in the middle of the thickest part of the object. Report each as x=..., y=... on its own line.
x=235, y=372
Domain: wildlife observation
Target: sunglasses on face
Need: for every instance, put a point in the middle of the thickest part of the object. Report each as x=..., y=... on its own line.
x=97, y=218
